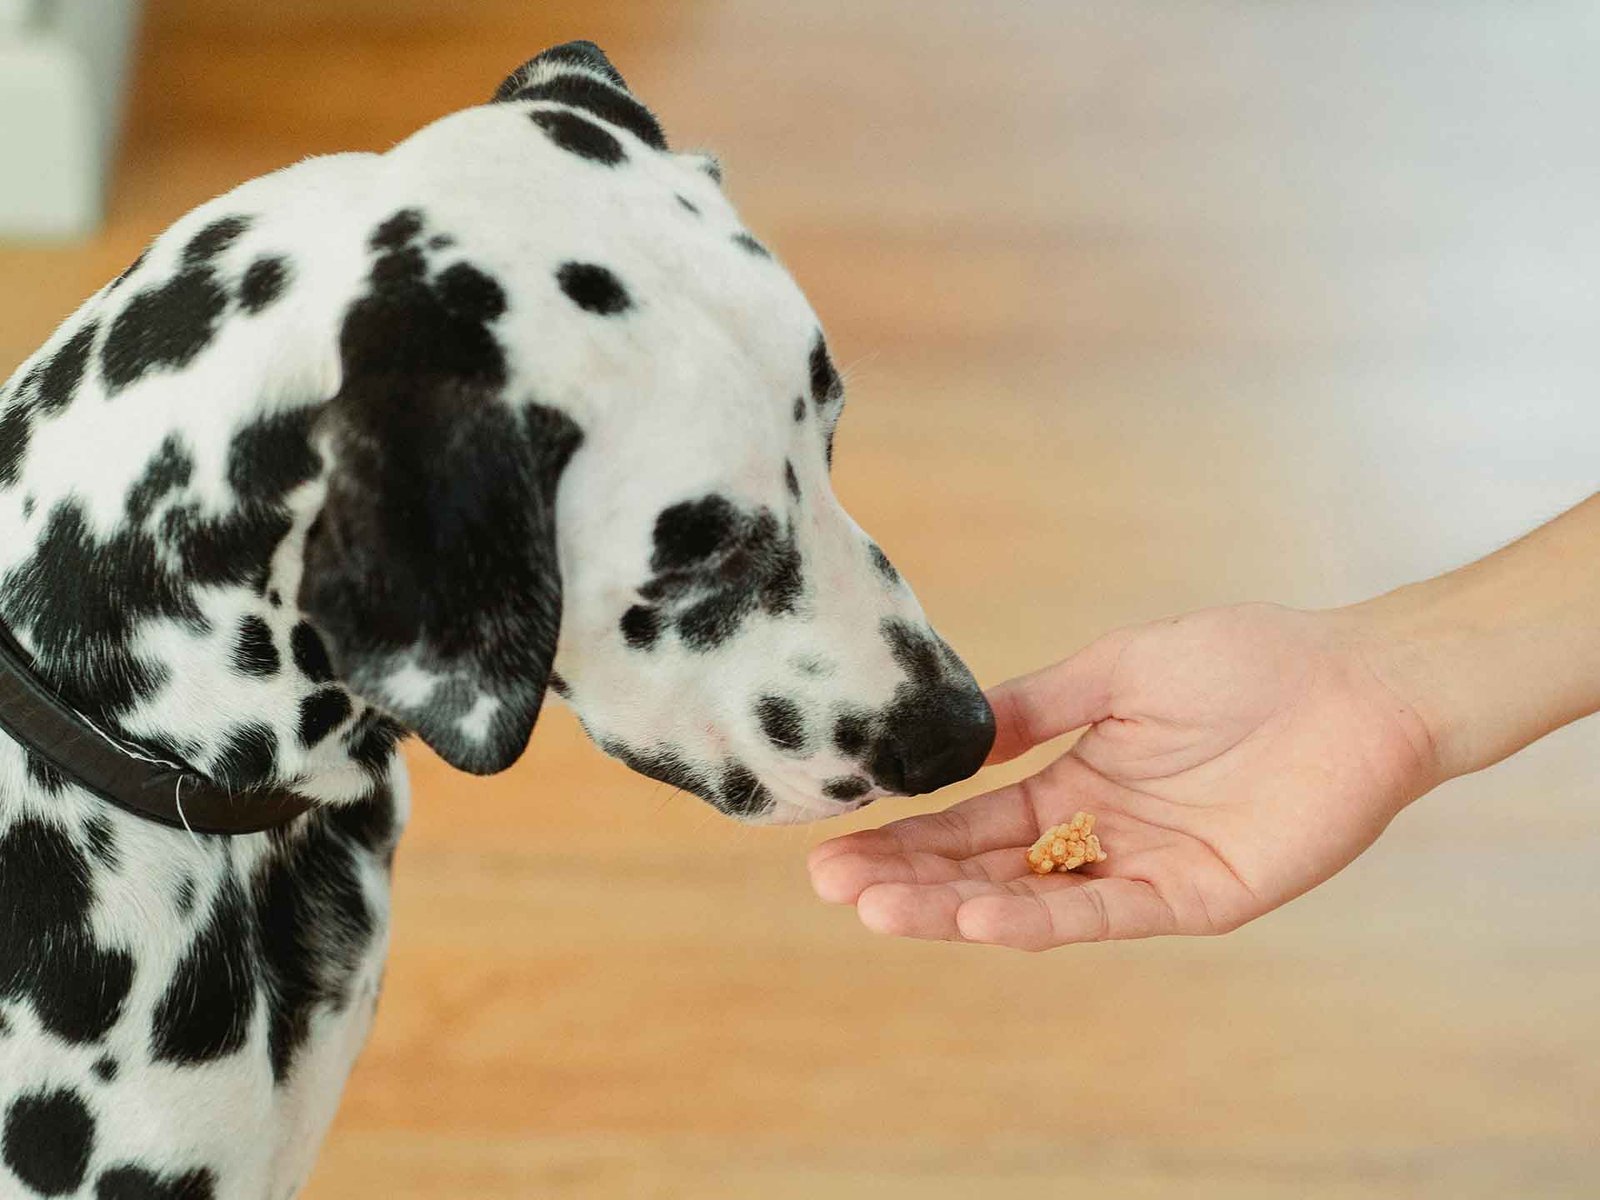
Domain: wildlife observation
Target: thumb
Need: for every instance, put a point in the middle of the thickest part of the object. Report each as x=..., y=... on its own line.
x=1034, y=708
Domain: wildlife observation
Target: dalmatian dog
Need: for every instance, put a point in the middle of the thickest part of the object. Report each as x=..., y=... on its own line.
x=393, y=444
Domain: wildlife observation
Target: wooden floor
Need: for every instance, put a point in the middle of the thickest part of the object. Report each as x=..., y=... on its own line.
x=1145, y=306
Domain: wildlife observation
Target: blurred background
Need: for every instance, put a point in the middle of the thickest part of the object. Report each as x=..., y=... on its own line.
x=1143, y=307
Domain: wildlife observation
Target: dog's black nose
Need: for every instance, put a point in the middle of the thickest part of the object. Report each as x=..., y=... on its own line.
x=940, y=739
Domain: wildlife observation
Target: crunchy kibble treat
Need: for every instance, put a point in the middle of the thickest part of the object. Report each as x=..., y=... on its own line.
x=1066, y=847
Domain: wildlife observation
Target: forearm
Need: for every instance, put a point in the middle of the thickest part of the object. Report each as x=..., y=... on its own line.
x=1499, y=653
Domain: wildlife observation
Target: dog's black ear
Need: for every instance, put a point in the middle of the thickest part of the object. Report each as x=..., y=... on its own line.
x=431, y=570
x=579, y=74
x=562, y=59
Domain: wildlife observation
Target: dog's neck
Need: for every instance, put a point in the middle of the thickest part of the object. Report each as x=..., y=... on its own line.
x=162, y=608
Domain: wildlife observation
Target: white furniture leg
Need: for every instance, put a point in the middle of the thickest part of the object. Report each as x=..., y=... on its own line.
x=63, y=77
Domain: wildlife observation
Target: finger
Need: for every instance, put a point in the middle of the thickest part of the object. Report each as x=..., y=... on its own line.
x=992, y=821
x=842, y=878
x=929, y=911
x=1099, y=910
x=907, y=910
x=1034, y=708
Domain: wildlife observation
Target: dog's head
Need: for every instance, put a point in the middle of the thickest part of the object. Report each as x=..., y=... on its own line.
x=582, y=443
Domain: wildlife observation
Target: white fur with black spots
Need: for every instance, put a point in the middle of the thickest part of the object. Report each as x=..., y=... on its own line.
x=389, y=444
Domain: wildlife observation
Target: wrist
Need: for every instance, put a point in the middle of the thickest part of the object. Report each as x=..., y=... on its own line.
x=1411, y=644
x=1497, y=654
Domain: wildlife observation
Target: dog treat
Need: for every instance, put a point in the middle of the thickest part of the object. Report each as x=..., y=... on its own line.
x=1066, y=847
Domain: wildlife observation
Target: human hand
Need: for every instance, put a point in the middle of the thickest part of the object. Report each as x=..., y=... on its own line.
x=1235, y=758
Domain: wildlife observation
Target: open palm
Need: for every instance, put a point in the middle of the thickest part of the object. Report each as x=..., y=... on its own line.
x=1234, y=759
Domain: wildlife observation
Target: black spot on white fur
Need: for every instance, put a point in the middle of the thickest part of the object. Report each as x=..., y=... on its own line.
x=666, y=765
x=732, y=787
x=59, y=380
x=43, y=774
x=468, y=293
x=749, y=244
x=47, y=1140
x=428, y=443
x=310, y=655
x=851, y=733
x=132, y=1182
x=689, y=534
x=827, y=390
x=715, y=565
x=321, y=713
x=102, y=841
x=16, y=428
x=263, y=283
x=312, y=923
x=594, y=288
x=204, y=1013
x=246, y=756
x=214, y=239
x=50, y=958
x=370, y=742
x=166, y=473
x=640, y=627
x=272, y=456
x=397, y=233
x=580, y=136
x=45, y=391
x=826, y=386
x=782, y=723
x=368, y=824
x=254, y=652
x=885, y=568
x=166, y=328
x=742, y=794
x=847, y=788
x=80, y=595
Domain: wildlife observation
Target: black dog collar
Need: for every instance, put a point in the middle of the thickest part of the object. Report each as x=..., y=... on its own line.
x=157, y=790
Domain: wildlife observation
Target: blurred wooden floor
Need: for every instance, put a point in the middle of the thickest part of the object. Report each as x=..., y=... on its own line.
x=1146, y=306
